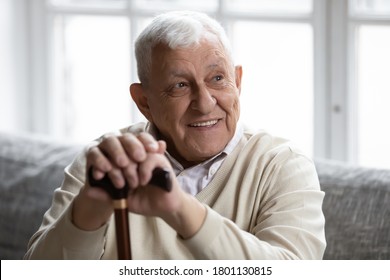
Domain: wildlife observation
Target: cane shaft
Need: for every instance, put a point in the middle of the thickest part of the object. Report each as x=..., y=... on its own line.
x=160, y=178
x=122, y=229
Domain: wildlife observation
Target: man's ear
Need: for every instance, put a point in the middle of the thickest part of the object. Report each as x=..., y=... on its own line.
x=139, y=97
x=238, y=72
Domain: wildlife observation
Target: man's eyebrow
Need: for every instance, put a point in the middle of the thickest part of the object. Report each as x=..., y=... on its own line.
x=218, y=63
x=214, y=65
x=177, y=73
x=180, y=73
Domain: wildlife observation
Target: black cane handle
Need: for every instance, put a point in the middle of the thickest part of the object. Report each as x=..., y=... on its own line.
x=160, y=178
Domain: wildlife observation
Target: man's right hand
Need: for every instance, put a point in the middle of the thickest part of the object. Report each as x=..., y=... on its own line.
x=133, y=158
x=119, y=157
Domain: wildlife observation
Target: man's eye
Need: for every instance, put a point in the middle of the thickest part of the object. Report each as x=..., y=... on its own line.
x=178, y=89
x=180, y=85
x=218, y=78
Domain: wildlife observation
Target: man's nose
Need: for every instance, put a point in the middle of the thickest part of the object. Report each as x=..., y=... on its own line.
x=203, y=100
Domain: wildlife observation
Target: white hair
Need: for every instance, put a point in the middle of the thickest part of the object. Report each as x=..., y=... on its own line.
x=176, y=29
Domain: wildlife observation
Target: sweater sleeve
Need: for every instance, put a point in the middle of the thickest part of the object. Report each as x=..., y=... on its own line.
x=288, y=225
x=57, y=237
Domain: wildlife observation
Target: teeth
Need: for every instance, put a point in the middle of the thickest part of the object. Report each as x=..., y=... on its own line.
x=208, y=123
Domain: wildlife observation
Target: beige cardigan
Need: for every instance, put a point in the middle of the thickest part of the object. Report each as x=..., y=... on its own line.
x=263, y=203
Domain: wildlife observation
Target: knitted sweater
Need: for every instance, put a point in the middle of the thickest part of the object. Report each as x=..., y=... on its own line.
x=264, y=202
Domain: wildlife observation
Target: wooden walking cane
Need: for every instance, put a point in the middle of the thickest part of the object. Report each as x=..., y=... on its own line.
x=160, y=178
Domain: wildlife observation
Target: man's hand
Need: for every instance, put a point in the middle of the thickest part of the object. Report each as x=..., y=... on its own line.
x=119, y=157
x=132, y=159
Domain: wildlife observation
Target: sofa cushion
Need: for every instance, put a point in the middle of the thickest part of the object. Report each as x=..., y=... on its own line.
x=30, y=169
x=357, y=211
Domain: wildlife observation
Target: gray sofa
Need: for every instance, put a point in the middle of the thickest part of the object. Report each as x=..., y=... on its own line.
x=356, y=205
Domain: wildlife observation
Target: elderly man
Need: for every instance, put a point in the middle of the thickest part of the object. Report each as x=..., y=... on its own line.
x=235, y=194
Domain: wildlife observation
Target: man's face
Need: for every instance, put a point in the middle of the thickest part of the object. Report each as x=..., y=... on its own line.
x=193, y=99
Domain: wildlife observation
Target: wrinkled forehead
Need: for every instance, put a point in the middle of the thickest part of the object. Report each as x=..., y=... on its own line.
x=207, y=47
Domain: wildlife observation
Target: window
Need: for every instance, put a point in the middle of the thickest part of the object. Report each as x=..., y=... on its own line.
x=370, y=27
x=314, y=70
x=93, y=65
x=277, y=90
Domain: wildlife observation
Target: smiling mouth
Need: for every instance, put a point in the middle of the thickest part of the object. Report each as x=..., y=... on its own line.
x=204, y=124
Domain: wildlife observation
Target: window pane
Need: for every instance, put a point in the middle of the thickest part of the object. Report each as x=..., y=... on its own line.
x=92, y=62
x=165, y=5
x=374, y=97
x=270, y=6
x=111, y=4
x=277, y=87
x=370, y=7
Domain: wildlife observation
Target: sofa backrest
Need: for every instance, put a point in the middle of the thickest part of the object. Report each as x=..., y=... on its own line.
x=357, y=211
x=30, y=169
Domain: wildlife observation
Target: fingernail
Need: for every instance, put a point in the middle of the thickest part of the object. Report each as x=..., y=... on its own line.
x=153, y=146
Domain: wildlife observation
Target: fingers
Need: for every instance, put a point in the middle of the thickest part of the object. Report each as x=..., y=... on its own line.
x=162, y=147
x=131, y=148
x=145, y=169
x=107, y=157
x=131, y=174
x=113, y=149
x=150, y=144
x=119, y=157
x=99, y=161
